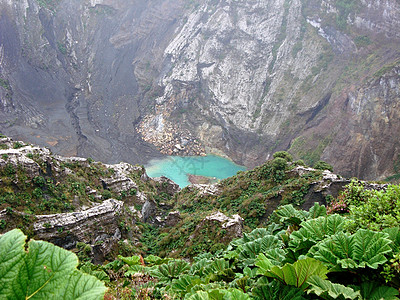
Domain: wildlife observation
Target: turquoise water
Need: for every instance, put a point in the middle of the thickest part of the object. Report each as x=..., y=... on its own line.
x=177, y=168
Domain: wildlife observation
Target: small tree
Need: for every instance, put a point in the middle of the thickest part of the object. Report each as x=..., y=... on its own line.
x=283, y=154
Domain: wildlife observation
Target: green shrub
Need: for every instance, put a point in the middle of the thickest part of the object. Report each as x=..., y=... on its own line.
x=83, y=251
x=300, y=162
x=374, y=209
x=106, y=194
x=283, y=154
x=322, y=165
x=279, y=163
x=18, y=145
x=39, y=181
x=9, y=170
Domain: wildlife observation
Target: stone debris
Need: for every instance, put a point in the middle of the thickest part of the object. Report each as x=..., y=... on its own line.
x=168, y=138
x=205, y=189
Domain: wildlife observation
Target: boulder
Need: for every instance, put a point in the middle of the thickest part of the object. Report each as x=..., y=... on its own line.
x=232, y=226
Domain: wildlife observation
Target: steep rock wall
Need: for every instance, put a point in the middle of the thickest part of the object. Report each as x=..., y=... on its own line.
x=120, y=80
x=68, y=72
x=253, y=77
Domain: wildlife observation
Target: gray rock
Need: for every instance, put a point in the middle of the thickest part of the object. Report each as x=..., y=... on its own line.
x=233, y=226
x=149, y=210
x=172, y=218
x=96, y=226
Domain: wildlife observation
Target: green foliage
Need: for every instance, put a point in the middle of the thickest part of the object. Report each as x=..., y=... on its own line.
x=317, y=211
x=344, y=251
x=322, y=165
x=53, y=192
x=362, y=41
x=252, y=194
x=374, y=291
x=5, y=84
x=279, y=164
x=315, y=230
x=297, y=274
x=39, y=181
x=83, y=251
x=95, y=271
x=278, y=291
x=283, y=154
x=184, y=284
x=328, y=290
x=345, y=7
x=42, y=271
x=289, y=215
x=171, y=270
x=130, y=261
x=49, y=4
x=288, y=259
x=18, y=145
x=372, y=209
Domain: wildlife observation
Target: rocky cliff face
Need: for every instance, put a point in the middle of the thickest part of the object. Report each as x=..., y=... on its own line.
x=122, y=80
x=68, y=72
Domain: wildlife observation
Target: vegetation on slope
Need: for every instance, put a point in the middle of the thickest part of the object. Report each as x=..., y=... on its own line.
x=253, y=194
x=316, y=254
x=348, y=249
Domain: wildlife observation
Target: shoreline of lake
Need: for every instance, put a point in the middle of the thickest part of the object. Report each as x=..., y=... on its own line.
x=179, y=168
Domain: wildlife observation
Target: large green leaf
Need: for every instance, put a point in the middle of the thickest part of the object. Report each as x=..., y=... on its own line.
x=205, y=288
x=199, y=295
x=99, y=274
x=257, y=233
x=288, y=214
x=251, y=249
x=374, y=291
x=345, y=251
x=81, y=287
x=183, y=284
x=317, y=211
x=198, y=267
x=277, y=291
x=219, y=294
x=43, y=271
x=132, y=270
x=394, y=236
x=264, y=264
x=156, y=260
x=235, y=294
x=316, y=230
x=328, y=290
x=298, y=273
x=216, y=266
x=171, y=270
x=11, y=258
x=130, y=261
